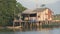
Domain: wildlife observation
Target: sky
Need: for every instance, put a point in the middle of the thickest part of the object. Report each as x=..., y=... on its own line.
x=54, y=5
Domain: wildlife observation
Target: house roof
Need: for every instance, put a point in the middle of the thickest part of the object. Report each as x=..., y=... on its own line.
x=28, y=11
x=39, y=9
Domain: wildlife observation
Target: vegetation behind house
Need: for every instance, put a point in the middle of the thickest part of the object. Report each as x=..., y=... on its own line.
x=8, y=10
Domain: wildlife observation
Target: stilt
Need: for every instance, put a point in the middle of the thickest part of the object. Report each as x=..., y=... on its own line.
x=20, y=23
x=39, y=23
x=13, y=26
x=27, y=24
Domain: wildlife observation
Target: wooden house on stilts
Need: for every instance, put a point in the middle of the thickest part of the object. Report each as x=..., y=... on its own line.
x=36, y=17
x=39, y=14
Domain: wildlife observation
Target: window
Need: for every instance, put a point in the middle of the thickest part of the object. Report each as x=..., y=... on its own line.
x=32, y=15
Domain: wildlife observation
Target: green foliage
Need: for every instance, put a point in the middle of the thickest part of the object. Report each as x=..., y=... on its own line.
x=56, y=17
x=8, y=10
x=20, y=7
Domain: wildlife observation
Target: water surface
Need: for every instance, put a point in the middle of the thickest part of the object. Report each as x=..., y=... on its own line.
x=35, y=31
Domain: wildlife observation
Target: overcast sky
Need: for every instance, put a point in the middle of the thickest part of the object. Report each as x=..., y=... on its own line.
x=54, y=5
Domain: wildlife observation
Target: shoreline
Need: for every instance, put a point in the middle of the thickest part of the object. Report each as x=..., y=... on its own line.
x=6, y=29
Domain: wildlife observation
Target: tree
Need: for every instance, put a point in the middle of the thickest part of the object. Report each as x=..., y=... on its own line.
x=8, y=9
x=20, y=7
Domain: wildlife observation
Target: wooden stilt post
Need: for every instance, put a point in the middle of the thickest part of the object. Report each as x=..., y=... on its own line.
x=20, y=23
x=28, y=20
x=20, y=19
x=13, y=26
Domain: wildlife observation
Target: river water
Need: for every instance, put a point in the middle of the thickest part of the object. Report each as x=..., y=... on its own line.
x=35, y=31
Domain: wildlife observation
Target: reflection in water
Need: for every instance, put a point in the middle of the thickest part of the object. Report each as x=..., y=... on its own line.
x=40, y=31
x=35, y=31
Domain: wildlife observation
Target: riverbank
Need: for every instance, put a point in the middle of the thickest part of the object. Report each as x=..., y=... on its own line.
x=21, y=28
x=6, y=30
